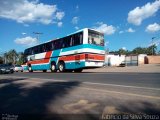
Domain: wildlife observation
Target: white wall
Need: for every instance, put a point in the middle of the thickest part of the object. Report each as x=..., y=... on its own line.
x=141, y=58
x=114, y=60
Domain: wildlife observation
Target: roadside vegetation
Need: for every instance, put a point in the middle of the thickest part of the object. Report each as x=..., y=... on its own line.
x=13, y=57
x=151, y=50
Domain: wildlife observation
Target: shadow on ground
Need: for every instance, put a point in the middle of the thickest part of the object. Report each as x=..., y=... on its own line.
x=30, y=103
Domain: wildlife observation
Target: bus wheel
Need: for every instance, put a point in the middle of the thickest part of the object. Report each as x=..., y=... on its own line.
x=53, y=67
x=44, y=70
x=30, y=69
x=61, y=67
x=78, y=70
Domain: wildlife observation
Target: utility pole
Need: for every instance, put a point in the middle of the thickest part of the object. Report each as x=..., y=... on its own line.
x=37, y=35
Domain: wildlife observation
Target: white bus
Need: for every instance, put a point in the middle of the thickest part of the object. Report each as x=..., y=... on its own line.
x=83, y=49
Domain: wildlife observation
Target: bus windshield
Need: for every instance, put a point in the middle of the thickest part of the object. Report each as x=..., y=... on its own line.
x=95, y=38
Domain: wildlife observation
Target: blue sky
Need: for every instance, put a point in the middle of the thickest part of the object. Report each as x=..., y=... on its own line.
x=126, y=23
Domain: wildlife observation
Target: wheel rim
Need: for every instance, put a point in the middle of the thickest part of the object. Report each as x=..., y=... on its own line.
x=61, y=67
x=53, y=67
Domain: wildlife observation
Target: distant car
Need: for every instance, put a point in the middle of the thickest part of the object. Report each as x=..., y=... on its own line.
x=6, y=68
x=123, y=64
x=18, y=68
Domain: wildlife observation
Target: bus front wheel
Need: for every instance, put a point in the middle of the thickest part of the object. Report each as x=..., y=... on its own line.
x=30, y=69
x=61, y=67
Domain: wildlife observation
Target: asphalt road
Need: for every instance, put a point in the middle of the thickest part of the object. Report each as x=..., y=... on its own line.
x=88, y=94
x=151, y=80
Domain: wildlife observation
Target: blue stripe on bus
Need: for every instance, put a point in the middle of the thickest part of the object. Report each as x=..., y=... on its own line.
x=83, y=46
x=55, y=53
x=41, y=67
x=70, y=65
x=74, y=65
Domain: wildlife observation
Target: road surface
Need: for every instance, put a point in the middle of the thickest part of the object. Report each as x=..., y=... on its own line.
x=90, y=95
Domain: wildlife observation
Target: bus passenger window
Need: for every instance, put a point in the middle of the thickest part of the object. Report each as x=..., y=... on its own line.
x=53, y=45
x=81, y=39
x=43, y=48
x=71, y=41
x=90, y=40
x=32, y=51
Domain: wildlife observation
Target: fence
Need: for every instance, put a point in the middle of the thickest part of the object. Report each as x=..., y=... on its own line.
x=131, y=60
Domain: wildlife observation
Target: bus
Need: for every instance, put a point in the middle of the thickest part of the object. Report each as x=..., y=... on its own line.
x=83, y=49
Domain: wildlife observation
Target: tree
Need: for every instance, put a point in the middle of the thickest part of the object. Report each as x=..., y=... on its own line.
x=123, y=52
x=152, y=50
x=138, y=50
x=20, y=58
x=5, y=57
x=1, y=60
x=12, y=56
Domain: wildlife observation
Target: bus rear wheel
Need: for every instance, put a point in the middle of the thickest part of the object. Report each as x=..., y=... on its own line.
x=53, y=67
x=78, y=70
x=61, y=67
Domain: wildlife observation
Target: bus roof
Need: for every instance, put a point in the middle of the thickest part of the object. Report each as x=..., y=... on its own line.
x=66, y=36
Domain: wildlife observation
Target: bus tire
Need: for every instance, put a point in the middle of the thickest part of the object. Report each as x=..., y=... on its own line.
x=30, y=68
x=44, y=70
x=78, y=70
x=53, y=67
x=61, y=66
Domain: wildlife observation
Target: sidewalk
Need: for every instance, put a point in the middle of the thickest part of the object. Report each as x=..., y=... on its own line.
x=147, y=68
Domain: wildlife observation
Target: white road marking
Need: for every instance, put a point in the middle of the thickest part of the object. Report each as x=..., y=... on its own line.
x=115, y=85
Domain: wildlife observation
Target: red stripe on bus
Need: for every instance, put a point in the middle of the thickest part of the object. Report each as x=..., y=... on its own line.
x=82, y=56
x=73, y=57
x=45, y=60
x=70, y=58
x=96, y=57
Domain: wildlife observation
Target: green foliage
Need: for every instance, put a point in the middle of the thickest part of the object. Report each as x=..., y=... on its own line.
x=20, y=58
x=1, y=60
x=13, y=57
x=122, y=51
x=138, y=50
x=149, y=50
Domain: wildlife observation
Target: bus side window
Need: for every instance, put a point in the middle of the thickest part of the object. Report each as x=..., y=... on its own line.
x=44, y=47
x=55, y=45
x=32, y=51
x=63, y=43
x=76, y=40
x=71, y=41
x=39, y=48
x=67, y=41
x=52, y=45
x=48, y=46
x=81, y=38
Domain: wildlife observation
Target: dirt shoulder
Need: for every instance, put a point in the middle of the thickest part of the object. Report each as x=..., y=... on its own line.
x=148, y=68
